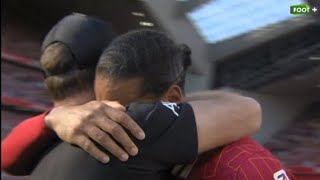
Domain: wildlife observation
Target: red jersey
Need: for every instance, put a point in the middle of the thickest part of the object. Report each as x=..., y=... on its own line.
x=242, y=160
x=23, y=147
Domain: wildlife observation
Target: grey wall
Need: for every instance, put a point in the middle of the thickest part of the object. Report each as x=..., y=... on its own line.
x=196, y=82
x=181, y=30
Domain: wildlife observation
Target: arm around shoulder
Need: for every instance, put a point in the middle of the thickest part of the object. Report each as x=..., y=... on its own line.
x=224, y=117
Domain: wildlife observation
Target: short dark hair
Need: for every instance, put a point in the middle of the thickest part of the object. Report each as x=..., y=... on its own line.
x=150, y=55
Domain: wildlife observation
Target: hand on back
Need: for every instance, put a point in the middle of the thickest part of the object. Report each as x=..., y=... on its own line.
x=100, y=122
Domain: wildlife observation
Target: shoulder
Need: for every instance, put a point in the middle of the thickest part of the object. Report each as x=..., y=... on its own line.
x=241, y=151
x=250, y=160
x=242, y=159
x=224, y=162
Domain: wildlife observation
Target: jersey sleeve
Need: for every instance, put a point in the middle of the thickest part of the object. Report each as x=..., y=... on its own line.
x=21, y=148
x=171, y=134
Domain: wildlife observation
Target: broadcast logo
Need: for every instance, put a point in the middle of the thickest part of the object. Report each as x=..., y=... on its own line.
x=302, y=9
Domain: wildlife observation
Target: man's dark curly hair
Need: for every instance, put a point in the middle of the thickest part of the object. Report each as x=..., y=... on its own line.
x=147, y=54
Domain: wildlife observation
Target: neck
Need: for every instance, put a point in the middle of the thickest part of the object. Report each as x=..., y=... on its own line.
x=78, y=99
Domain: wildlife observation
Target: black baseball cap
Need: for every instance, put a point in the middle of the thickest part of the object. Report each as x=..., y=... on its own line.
x=86, y=37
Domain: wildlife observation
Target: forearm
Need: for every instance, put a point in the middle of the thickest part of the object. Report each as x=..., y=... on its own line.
x=224, y=117
x=210, y=95
x=21, y=149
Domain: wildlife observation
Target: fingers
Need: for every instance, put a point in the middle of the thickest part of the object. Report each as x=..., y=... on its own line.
x=126, y=121
x=86, y=144
x=118, y=134
x=115, y=105
x=105, y=141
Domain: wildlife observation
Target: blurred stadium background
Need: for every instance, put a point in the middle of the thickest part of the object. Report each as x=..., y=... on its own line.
x=254, y=47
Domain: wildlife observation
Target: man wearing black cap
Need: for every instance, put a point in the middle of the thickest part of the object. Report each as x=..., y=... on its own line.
x=85, y=36
x=70, y=52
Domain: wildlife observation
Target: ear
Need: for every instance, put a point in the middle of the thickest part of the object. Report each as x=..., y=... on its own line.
x=174, y=94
